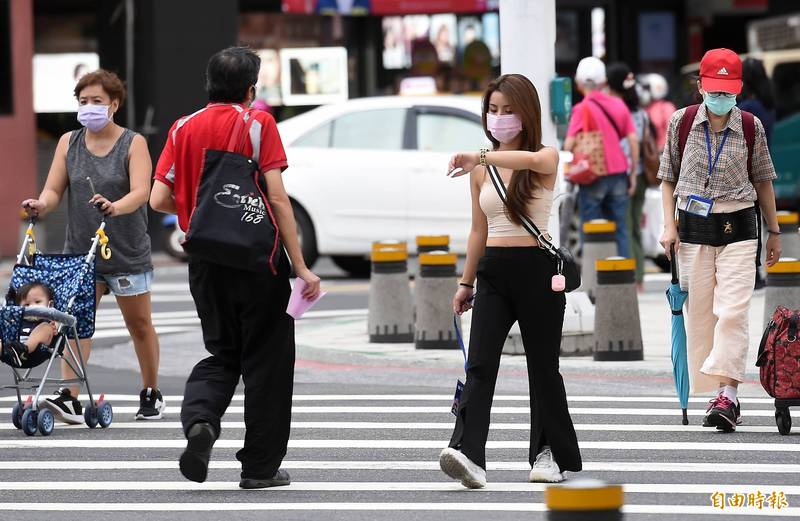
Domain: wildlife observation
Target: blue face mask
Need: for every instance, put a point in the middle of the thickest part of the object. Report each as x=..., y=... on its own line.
x=719, y=104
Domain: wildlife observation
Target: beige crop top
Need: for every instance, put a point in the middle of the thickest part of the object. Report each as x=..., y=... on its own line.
x=500, y=226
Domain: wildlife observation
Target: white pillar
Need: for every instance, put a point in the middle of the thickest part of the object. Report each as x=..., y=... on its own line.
x=527, y=46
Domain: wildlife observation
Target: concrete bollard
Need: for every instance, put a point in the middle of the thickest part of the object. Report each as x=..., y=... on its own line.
x=783, y=287
x=617, y=328
x=789, y=223
x=598, y=243
x=429, y=243
x=584, y=500
x=391, y=317
x=433, y=295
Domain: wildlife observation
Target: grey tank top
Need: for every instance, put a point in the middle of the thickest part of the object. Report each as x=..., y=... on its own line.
x=127, y=234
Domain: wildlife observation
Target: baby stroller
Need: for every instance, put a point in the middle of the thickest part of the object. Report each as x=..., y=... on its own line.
x=72, y=279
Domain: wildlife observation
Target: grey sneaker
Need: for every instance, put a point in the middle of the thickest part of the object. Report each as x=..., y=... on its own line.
x=458, y=466
x=280, y=479
x=545, y=469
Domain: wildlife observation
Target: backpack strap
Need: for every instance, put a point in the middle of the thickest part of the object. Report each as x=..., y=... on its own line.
x=749, y=130
x=683, y=131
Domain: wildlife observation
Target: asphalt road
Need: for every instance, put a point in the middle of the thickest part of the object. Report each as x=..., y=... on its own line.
x=365, y=443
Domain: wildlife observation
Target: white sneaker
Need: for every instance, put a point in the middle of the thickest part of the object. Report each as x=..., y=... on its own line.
x=545, y=469
x=456, y=465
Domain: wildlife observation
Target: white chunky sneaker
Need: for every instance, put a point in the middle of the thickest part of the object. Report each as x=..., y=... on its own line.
x=456, y=465
x=545, y=469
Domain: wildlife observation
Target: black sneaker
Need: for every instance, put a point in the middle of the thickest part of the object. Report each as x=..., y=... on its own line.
x=194, y=460
x=724, y=415
x=64, y=407
x=151, y=405
x=12, y=354
x=711, y=405
x=280, y=479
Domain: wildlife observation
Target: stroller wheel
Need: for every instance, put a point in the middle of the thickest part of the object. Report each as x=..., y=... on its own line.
x=29, y=418
x=105, y=414
x=46, y=422
x=90, y=416
x=16, y=416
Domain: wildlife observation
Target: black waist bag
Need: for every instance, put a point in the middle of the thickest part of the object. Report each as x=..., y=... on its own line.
x=232, y=223
x=718, y=229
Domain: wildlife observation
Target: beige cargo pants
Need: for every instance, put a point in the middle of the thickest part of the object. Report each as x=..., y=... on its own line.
x=720, y=285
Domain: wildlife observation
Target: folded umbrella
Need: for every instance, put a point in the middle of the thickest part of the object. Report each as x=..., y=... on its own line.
x=680, y=367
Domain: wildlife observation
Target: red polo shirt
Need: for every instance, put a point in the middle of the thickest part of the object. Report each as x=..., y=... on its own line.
x=181, y=161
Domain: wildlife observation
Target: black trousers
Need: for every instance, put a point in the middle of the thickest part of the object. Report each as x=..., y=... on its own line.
x=248, y=333
x=514, y=284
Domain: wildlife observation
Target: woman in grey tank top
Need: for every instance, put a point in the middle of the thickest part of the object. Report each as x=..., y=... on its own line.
x=118, y=163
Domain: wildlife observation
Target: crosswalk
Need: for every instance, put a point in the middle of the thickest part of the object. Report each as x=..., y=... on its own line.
x=377, y=454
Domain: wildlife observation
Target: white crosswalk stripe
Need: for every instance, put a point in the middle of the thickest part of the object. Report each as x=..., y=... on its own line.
x=378, y=453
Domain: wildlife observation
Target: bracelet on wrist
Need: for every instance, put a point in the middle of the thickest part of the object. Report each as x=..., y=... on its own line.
x=482, y=157
x=470, y=286
x=773, y=232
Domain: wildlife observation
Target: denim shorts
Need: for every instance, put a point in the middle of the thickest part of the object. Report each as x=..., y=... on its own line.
x=123, y=285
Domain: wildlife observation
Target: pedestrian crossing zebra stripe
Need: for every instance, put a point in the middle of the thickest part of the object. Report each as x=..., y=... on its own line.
x=417, y=465
x=389, y=486
x=574, y=411
x=461, y=506
x=441, y=398
x=409, y=444
x=445, y=426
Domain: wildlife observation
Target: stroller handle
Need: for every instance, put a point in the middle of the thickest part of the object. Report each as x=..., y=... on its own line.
x=50, y=314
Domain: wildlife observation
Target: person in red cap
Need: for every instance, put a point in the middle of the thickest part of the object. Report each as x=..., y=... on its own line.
x=717, y=172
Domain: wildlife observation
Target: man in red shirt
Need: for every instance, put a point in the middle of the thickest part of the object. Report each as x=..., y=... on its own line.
x=242, y=312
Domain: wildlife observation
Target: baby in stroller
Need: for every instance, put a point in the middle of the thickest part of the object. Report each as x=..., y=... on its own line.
x=35, y=335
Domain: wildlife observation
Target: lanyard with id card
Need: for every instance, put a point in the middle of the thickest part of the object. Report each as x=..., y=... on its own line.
x=695, y=204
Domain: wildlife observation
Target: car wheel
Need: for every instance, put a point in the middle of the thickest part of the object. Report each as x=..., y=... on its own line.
x=306, y=236
x=357, y=266
x=663, y=263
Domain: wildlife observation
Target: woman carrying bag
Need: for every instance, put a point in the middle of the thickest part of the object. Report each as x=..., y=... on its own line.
x=517, y=281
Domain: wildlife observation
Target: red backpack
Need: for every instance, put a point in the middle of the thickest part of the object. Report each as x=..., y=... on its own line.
x=748, y=128
x=779, y=355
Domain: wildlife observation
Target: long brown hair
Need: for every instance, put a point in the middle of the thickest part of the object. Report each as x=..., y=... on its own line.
x=522, y=96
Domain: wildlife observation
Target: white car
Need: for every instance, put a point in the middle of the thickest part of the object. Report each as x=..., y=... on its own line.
x=375, y=168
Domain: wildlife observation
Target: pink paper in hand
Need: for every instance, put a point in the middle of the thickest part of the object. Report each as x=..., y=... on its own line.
x=297, y=304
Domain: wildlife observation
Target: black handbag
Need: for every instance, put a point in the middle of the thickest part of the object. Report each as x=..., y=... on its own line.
x=565, y=261
x=232, y=223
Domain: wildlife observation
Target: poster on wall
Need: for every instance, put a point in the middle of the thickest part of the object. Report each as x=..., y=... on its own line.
x=313, y=75
x=268, y=87
x=54, y=79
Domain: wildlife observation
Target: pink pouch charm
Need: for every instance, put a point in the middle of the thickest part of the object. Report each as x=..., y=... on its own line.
x=559, y=283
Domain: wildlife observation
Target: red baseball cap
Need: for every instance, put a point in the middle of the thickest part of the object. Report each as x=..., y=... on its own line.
x=721, y=71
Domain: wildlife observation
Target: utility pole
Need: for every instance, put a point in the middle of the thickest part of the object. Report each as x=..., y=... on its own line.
x=527, y=46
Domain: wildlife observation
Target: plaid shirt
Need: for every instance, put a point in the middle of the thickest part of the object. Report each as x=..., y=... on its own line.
x=729, y=180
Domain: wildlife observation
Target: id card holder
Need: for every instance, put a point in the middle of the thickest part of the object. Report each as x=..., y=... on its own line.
x=699, y=206
x=457, y=398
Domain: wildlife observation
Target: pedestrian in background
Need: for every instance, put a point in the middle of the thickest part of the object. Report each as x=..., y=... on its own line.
x=242, y=312
x=513, y=284
x=660, y=109
x=607, y=197
x=756, y=96
x=622, y=84
x=716, y=241
x=118, y=163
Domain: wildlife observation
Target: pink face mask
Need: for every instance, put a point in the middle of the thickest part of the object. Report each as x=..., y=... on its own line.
x=503, y=127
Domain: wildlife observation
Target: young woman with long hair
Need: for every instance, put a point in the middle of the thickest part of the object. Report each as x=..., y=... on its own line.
x=513, y=284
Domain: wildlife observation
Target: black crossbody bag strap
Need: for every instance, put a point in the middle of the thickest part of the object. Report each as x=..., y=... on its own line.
x=527, y=223
x=608, y=117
